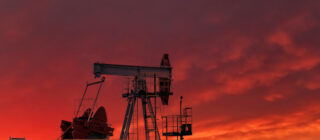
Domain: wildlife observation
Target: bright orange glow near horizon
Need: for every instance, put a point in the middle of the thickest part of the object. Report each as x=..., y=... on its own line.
x=249, y=69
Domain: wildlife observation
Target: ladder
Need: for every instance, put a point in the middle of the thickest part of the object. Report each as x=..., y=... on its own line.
x=148, y=114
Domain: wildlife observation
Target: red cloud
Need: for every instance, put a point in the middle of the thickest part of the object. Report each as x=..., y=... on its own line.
x=248, y=68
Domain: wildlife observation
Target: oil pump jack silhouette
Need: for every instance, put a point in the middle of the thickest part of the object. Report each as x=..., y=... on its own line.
x=96, y=126
x=161, y=81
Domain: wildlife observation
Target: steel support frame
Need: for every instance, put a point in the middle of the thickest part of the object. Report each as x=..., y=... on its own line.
x=153, y=118
x=128, y=118
x=146, y=108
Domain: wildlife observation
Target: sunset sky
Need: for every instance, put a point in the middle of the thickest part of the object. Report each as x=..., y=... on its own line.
x=250, y=69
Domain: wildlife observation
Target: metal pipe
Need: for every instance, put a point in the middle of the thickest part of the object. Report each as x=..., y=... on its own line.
x=155, y=107
x=181, y=135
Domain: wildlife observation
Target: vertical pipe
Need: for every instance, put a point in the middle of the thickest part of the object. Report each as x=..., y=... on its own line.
x=155, y=107
x=178, y=127
x=144, y=109
x=181, y=135
x=137, y=120
x=166, y=128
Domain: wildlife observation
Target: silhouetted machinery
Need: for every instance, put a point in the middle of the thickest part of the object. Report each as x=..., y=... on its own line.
x=178, y=125
x=88, y=126
x=139, y=90
x=95, y=126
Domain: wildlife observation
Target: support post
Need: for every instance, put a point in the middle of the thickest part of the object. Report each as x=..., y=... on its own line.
x=153, y=118
x=155, y=108
x=144, y=108
x=130, y=117
x=125, y=119
x=181, y=135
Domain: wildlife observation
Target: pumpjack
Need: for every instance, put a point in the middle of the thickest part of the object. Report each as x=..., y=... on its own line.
x=161, y=80
x=89, y=126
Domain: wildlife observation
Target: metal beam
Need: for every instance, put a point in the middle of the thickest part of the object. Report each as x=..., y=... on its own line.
x=127, y=70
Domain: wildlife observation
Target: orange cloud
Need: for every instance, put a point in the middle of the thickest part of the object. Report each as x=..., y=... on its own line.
x=300, y=125
x=249, y=69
